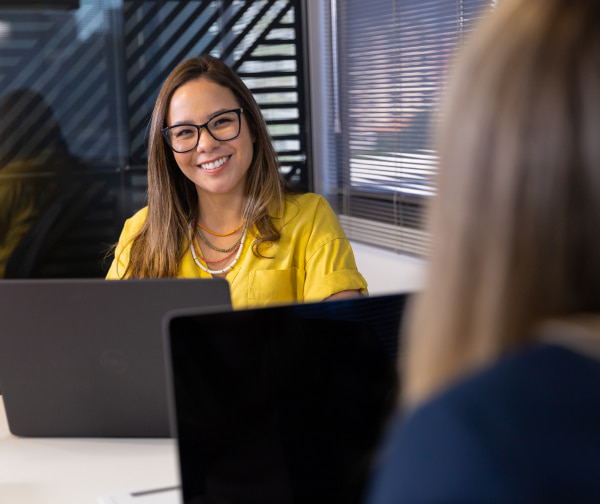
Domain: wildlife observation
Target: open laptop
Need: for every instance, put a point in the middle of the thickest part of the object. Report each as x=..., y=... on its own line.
x=281, y=404
x=85, y=358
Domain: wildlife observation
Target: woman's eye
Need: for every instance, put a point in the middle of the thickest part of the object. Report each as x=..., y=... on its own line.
x=221, y=121
x=183, y=132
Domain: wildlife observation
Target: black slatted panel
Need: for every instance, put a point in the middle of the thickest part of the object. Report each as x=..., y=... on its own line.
x=260, y=39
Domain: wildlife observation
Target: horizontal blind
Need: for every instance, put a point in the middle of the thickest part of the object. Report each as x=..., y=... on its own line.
x=393, y=60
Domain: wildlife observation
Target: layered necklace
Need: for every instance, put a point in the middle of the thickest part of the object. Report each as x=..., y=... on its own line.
x=195, y=230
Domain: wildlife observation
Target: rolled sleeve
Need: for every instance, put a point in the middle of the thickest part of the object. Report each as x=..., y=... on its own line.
x=330, y=265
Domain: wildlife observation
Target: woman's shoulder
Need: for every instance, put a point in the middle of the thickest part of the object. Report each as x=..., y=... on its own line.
x=499, y=433
x=508, y=399
x=140, y=215
x=520, y=379
x=306, y=206
x=134, y=223
x=312, y=211
x=305, y=200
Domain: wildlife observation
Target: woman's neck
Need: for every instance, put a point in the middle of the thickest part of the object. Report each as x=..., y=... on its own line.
x=220, y=213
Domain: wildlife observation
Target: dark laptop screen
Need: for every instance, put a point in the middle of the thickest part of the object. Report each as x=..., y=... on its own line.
x=283, y=404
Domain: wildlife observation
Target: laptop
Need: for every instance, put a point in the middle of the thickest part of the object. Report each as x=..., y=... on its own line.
x=85, y=357
x=282, y=404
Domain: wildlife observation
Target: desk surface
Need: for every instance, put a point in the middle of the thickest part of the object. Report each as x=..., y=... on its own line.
x=78, y=470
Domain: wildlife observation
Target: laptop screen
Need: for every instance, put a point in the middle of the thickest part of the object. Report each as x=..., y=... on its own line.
x=283, y=404
x=85, y=357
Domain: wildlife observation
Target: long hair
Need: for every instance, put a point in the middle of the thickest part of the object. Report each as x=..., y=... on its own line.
x=172, y=197
x=515, y=222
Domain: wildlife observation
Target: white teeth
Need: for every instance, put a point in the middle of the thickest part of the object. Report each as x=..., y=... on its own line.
x=214, y=164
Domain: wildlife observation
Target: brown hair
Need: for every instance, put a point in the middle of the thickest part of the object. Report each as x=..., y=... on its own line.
x=172, y=197
x=515, y=224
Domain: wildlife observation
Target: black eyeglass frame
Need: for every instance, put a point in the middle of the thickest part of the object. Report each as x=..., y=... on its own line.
x=198, y=127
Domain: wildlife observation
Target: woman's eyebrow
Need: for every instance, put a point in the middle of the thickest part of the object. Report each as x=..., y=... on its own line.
x=209, y=117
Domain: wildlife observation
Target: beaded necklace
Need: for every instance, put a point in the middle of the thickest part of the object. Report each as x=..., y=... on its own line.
x=205, y=240
x=205, y=268
x=224, y=234
x=200, y=256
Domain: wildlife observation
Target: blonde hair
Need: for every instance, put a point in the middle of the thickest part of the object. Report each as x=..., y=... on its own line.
x=515, y=224
x=172, y=198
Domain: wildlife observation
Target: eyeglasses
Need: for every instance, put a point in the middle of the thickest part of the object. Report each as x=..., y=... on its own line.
x=222, y=127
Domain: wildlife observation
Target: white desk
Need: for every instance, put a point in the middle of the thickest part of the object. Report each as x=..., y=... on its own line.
x=78, y=470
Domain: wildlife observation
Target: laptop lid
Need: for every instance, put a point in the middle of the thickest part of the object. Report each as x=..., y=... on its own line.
x=282, y=404
x=86, y=357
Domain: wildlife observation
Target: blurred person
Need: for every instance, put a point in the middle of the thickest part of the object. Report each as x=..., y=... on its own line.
x=218, y=207
x=501, y=370
x=33, y=157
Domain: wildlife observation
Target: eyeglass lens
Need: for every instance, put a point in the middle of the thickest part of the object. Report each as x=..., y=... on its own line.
x=223, y=127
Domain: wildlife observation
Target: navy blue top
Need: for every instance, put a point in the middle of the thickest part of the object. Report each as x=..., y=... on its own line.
x=525, y=430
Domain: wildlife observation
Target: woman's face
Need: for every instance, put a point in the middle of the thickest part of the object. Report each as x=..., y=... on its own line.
x=215, y=167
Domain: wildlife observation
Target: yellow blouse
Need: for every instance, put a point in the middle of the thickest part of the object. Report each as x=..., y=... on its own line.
x=311, y=261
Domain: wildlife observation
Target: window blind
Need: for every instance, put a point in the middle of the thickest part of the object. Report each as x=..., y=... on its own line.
x=391, y=60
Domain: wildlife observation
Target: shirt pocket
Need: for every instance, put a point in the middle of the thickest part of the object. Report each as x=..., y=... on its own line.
x=276, y=286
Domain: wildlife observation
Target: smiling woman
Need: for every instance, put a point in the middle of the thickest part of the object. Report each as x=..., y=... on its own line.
x=217, y=205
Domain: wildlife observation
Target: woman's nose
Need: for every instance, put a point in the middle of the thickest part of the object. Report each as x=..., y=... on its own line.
x=206, y=142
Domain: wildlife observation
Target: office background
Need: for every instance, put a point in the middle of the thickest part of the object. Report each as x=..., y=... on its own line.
x=350, y=91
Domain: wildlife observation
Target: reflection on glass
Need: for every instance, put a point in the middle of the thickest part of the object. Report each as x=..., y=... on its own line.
x=33, y=157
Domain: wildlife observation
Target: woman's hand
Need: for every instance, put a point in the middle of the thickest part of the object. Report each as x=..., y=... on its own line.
x=347, y=294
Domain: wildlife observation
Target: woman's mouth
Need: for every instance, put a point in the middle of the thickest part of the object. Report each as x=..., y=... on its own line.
x=213, y=165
